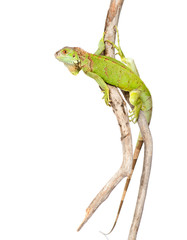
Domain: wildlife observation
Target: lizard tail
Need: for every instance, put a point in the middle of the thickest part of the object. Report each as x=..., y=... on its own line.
x=135, y=157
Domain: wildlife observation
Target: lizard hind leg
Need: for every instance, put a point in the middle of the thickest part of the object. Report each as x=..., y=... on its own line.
x=137, y=103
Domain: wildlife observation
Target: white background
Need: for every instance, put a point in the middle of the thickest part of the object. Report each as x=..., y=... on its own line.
x=60, y=143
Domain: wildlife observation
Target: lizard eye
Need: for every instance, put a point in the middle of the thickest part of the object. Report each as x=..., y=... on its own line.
x=73, y=55
x=64, y=51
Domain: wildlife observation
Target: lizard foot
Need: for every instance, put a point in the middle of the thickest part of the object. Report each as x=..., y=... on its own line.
x=106, y=98
x=133, y=117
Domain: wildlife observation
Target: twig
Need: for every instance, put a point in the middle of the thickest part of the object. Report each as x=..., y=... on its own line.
x=120, y=110
x=148, y=151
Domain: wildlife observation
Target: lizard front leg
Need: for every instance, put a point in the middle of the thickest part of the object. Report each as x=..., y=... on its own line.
x=102, y=84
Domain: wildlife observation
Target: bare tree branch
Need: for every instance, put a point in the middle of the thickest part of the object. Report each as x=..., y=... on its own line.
x=148, y=151
x=120, y=110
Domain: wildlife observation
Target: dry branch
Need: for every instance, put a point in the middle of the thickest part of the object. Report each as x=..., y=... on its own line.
x=120, y=110
x=148, y=151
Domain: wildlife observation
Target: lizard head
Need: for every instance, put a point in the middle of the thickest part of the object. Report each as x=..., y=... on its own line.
x=70, y=58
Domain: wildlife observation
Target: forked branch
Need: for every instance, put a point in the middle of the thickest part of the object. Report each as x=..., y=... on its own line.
x=120, y=110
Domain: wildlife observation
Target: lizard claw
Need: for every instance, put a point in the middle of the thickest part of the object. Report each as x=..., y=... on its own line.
x=133, y=116
x=106, y=98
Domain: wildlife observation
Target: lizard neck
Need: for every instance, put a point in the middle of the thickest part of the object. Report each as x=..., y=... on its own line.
x=85, y=59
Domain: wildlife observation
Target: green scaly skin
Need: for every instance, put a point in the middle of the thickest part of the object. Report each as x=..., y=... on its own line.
x=107, y=70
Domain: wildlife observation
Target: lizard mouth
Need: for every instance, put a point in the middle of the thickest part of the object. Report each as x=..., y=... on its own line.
x=57, y=54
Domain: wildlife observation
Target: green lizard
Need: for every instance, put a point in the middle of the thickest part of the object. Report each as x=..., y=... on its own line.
x=107, y=70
